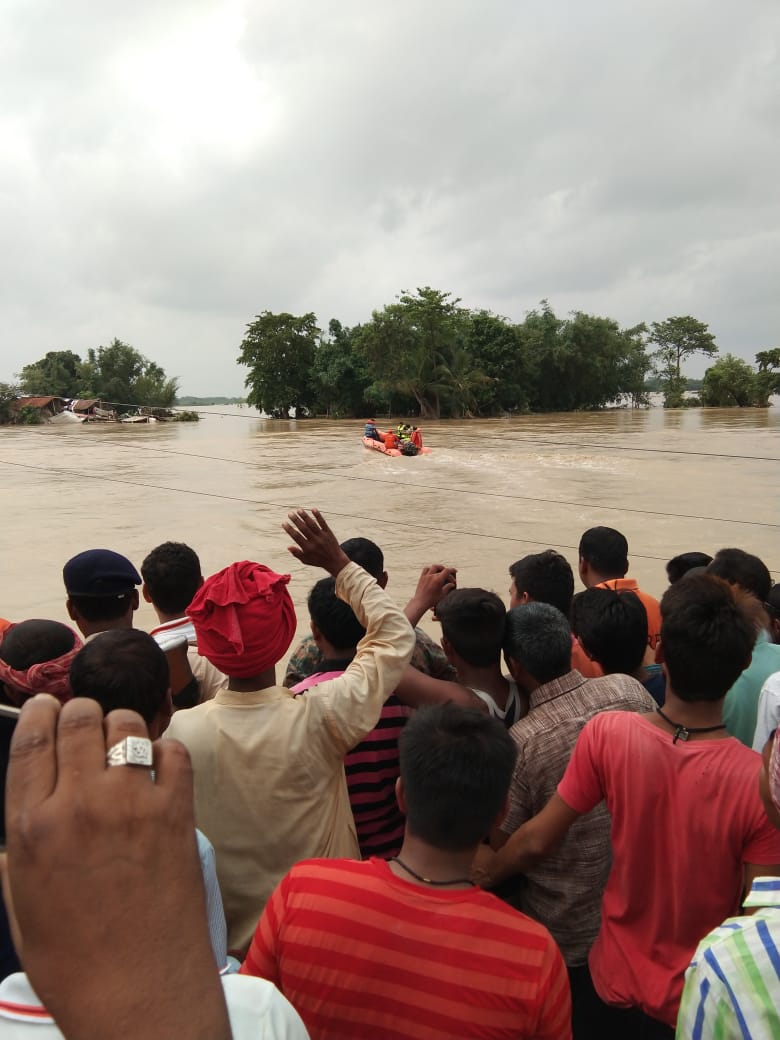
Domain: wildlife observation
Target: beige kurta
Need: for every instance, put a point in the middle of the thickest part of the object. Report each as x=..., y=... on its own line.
x=269, y=770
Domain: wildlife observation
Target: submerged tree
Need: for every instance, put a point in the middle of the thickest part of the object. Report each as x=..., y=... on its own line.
x=279, y=351
x=677, y=339
x=59, y=373
x=120, y=374
x=409, y=345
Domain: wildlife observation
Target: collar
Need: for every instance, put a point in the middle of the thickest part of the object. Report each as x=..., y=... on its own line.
x=555, y=688
x=765, y=891
x=19, y=1002
x=618, y=584
x=237, y=699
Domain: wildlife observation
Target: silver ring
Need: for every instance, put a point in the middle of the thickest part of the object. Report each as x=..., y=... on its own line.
x=132, y=751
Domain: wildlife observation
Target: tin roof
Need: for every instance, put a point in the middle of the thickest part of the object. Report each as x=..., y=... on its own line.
x=85, y=405
x=35, y=402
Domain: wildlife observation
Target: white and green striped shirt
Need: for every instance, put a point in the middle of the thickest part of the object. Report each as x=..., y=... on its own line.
x=732, y=987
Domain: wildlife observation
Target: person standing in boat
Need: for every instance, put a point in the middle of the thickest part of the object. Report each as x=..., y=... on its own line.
x=371, y=431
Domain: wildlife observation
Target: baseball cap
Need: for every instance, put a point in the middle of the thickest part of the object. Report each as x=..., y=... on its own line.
x=99, y=572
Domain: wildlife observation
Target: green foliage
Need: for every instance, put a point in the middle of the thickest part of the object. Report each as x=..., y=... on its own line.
x=733, y=383
x=677, y=339
x=8, y=395
x=768, y=375
x=59, y=373
x=340, y=376
x=185, y=416
x=279, y=351
x=409, y=346
x=119, y=374
x=29, y=416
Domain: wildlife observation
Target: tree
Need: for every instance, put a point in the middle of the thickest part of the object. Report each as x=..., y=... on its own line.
x=340, y=376
x=729, y=383
x=409, y=345
x=768, y=375
x=498, y=350
x=119, y=374
x=8, y=395
x=678, y=339
x=279, y=350
x=59, y=373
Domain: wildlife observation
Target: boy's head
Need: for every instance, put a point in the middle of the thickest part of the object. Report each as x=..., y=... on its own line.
x=35, y=657
x=612, y=628
x=456, y=764
x=603, y=555
x=738, y=567
x=544, y=577
x=472, y=626
x=125, y=668
x=537, y=644
x=333, y=620
x=367, y=555
x=172, y=575
x=707, y=637
x=679, y=566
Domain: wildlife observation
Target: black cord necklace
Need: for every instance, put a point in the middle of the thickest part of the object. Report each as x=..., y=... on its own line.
x=427, y=880
x=684, y=732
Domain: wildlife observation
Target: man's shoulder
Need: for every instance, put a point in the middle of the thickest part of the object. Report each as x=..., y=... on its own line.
x=620, y=690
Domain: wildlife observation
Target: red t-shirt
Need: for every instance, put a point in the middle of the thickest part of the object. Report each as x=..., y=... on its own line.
x=361, y=953
x=686, y=817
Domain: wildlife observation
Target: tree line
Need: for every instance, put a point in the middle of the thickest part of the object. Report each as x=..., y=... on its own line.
x=426, y=355
x=117, y=374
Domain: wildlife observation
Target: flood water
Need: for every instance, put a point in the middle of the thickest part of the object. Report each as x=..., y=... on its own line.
x=490, y=492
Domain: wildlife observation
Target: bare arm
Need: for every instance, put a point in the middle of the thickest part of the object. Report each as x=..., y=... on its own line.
x=416, y=688
x=433, y=585
x=534, y=841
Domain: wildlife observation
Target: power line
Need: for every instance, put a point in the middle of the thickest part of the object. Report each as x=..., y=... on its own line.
x=454, y=491
x=266, y=505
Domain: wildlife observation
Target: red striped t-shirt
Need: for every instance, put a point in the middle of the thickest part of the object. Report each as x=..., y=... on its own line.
x=360, y=952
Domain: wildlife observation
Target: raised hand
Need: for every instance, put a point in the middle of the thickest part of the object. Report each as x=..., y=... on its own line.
x=315, y=543
x=435, y=582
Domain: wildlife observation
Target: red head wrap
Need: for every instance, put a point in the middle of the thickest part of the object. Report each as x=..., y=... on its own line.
x=244, y=619
x=45, y=677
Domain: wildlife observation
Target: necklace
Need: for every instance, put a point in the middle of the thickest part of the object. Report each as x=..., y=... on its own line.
x=684, y=732
x=427, y=880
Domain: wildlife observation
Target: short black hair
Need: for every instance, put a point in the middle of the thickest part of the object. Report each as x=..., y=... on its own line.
x=606, y=550
x=456, y=765
x=34, y=641
x=706, y=636
x=547, y=578
x=612, y=628
x=172, y=576
x=472, y=620
x=680, y=565
x=103, y=608
x=333, y=617
x=367, y=554
x=123, y=668
x=538, y=637
x=744, y=569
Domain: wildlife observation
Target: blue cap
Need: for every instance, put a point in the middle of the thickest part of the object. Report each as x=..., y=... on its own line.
x=99, y=572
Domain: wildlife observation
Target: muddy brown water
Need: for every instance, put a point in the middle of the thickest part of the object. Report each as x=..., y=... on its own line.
x=489, y=492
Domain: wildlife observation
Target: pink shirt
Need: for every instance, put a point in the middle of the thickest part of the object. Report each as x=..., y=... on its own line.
x=686, y=817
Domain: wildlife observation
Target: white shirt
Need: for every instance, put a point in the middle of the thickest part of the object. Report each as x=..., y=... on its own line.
x=768, y=713
x=257, y=1011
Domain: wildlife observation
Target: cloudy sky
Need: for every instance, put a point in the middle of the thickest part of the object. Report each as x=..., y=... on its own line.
x=171, y=169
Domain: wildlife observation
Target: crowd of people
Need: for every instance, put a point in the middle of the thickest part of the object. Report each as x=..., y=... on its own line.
x=561, y=820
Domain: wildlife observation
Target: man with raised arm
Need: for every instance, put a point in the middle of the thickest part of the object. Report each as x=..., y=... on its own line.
x=689, y=833
x=269, y=766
